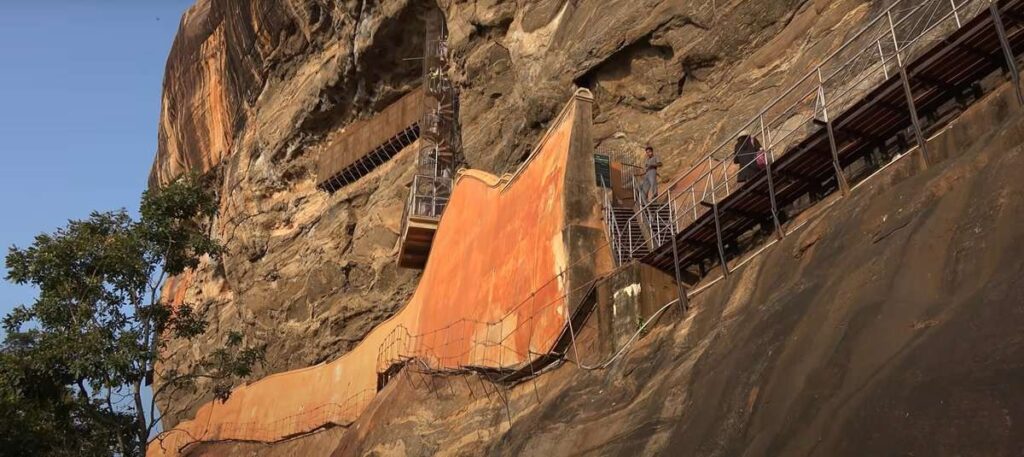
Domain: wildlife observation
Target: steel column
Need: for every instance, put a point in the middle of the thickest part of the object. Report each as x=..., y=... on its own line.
x=768, y=159
x=1004, y=43
x=721, y=245
x=881, y=56
x=844, y=186
x=918, y=133
x=718, y=225
x=693, y=201
x=675, y=263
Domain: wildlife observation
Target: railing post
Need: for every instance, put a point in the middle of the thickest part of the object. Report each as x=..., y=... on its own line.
x=725, y=177
x=918, y=133
x=1011, y=60
x=675, y=263
x=629, y=234
x=881, y=56
x=673, y=210
x=844, y=186
x=956, y=14
x=711, y=181
x=768, y=159
x=628, y=252
x=618, y=244
x=447, y=336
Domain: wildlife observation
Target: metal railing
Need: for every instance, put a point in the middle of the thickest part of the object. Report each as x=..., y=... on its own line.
x=428, y=197
x=861, y=64
x=611, y=225
x=526, y=331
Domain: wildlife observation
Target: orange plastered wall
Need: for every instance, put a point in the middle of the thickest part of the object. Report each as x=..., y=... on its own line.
x=493, y=275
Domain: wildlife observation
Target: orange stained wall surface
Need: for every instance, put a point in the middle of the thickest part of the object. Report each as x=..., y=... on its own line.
x=490, y=294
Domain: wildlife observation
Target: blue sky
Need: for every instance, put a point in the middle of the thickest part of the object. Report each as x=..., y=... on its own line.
x=79, y=102
x=80, y=88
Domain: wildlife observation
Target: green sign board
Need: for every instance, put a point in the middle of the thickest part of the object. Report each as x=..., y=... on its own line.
x=603, y=170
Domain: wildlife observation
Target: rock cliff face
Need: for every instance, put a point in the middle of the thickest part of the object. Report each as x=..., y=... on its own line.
x=888, y=325
x=254, y=90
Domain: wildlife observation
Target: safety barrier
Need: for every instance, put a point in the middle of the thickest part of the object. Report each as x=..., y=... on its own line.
x=873, y=55
x=495, y=346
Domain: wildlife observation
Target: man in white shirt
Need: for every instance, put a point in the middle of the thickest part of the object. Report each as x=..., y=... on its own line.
x=649, y=184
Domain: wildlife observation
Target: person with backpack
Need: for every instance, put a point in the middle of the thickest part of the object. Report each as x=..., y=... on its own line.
x=746, y=154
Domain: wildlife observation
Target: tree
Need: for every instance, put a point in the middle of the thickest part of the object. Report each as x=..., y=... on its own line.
x=41, y=415
x=76, y=360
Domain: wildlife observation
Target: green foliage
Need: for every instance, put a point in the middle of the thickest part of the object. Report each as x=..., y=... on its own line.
x=75, y=359
x=41, y=415
x=171, y=218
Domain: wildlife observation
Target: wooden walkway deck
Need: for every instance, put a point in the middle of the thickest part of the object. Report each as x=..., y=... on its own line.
x=940, y=77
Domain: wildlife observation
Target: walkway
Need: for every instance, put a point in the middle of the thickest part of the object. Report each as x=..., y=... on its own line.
x=908, y=73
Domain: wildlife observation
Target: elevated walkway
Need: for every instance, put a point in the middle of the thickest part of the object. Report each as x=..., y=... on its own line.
x=365, y=145
x=906, y=75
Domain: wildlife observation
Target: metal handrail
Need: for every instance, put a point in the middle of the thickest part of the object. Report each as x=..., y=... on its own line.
x=614, y=233
x=813, y=72
x=436, y=197
x=717, y=176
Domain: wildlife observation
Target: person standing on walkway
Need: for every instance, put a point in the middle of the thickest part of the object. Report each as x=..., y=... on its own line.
x=745, y=155
x=649, y=185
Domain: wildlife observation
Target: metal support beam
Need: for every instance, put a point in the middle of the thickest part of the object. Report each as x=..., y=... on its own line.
x=909, y=94
x=858, y=134
x=935, y=83
x=895, y=109
x=779, y=233
x=1011, y=59
x=721, y=245
x=683, y=303
x=1013, y=16
x=794, y=176
x=760, y=192
x=844, y=187
x=912, y=107
x=973, y=51
x=699, y=244
x=769, y=160
x=746, y=214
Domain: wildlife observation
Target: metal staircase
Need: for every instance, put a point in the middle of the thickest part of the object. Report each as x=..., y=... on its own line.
x=658, y=221
x=627, y=236
x=439, y=155
x=634, y=229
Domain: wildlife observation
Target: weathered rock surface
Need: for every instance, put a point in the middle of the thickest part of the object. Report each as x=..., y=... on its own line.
x=889, y=325
x=255, y=89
